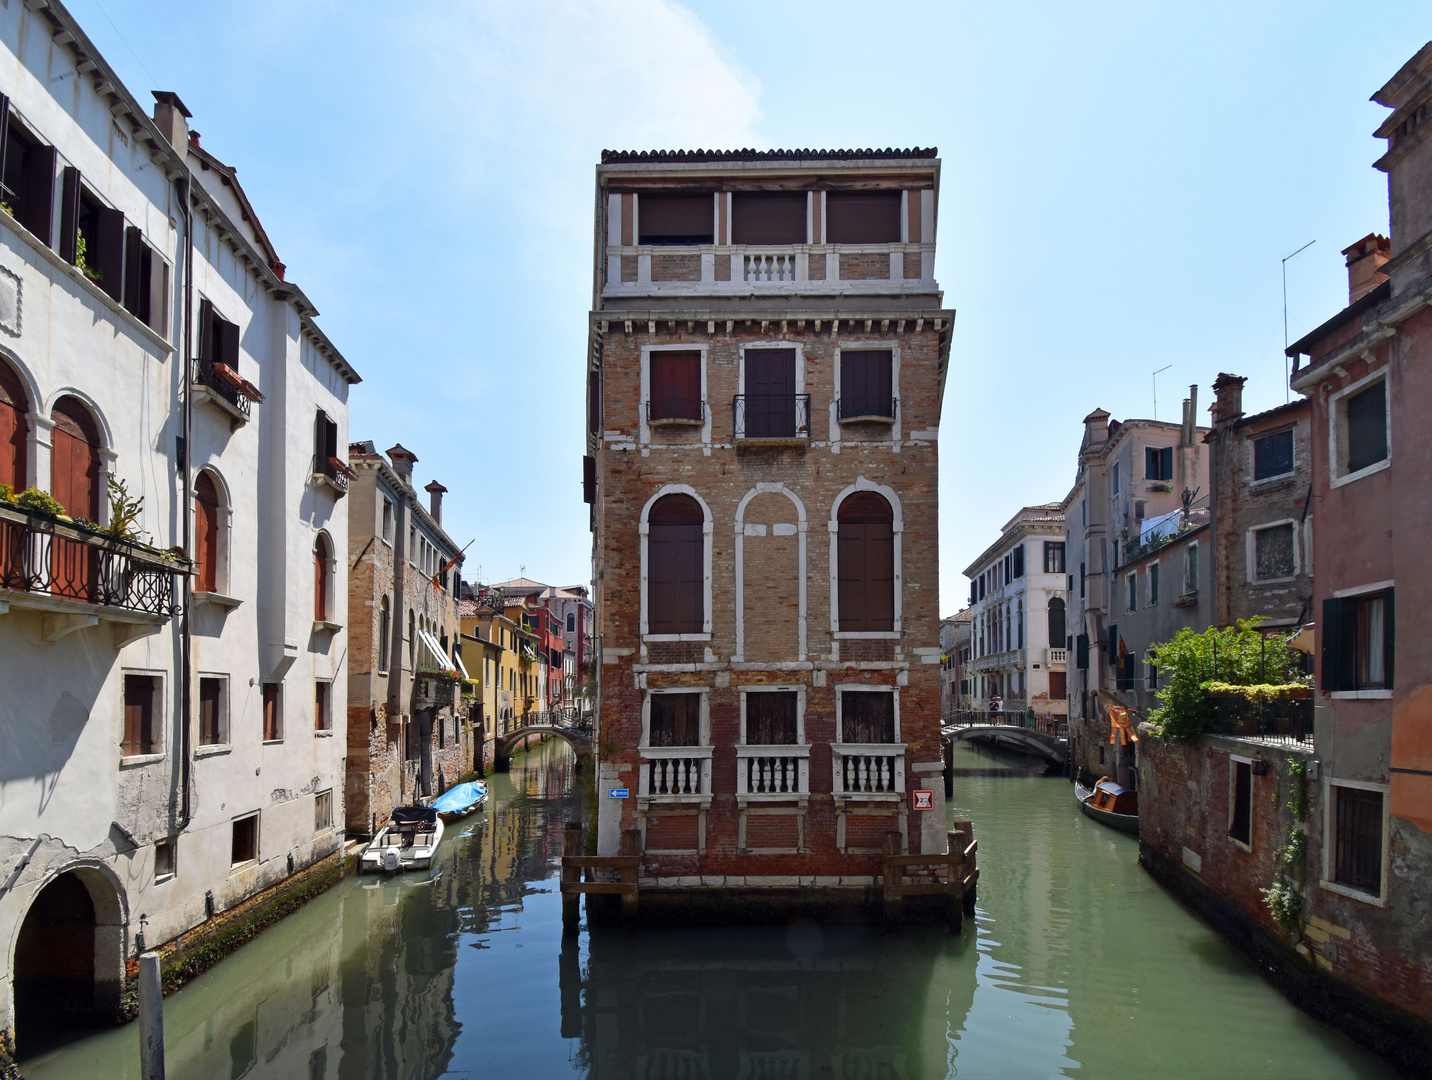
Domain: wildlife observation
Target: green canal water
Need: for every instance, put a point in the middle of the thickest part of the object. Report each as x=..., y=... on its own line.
x=1077, y=964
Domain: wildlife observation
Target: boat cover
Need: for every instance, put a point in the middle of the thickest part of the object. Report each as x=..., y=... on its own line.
x=459, y=797
x=414, y=815
x=1112, y=789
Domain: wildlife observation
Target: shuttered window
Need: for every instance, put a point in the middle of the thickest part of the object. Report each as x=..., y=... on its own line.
x=74, y=460
x=675, y=566
x=865, y=553
x=594, y=402
x=322, y=570
x=28, y=171
x=273, y=711
x=1054, y=556
x=211, y=701
x=1056, y=623
x=1273, y=455
x=140, y=701
x=769, y=400
x=206, y=534
x=14, y=429
x=862, y=217
x=867, y=716
x=676, y=218
x=1367, y=427
x=1358, y=646
x=675, y=720
x=146, y=281
x=675, y=386
x=866, y=383
x=1158, y=463
x=771, y=718
x=768, y=217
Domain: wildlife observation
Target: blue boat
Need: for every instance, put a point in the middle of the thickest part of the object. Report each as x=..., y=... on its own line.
x=461, y=800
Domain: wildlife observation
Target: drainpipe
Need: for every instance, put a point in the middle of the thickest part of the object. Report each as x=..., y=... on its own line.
x=186, y=634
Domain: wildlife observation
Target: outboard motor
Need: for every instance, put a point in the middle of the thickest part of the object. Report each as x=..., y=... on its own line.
x=391, y=862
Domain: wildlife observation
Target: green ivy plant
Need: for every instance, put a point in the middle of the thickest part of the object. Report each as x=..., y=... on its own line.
x=1231, y=658
x=1298, y=797
x=1295, y=850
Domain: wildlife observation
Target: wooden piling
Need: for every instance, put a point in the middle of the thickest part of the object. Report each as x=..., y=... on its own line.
x=151, y=1018
x=631, y=846
x=571, y=874
x=956, y=898
x=893, y=878
x=968, y=871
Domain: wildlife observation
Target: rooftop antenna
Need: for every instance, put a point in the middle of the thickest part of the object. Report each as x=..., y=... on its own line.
x=1287, y=374
x=1155, y=380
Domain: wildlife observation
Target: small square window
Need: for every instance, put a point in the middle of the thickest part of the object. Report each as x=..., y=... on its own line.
x=163, y=860
x=1273, y=455
x=244, y=847
x=323, y=811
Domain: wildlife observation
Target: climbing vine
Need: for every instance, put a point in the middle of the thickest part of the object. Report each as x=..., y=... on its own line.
x=1284, y=897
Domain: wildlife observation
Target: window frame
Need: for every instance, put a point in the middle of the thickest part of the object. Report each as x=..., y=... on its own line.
x=1190, y=570
x=1234, y=761
x=1338, y=474
x=1328, y=868
x=1055, y=553
x=157, y=720
x=278, y=729
x=1385, y=590
x=644, y=423
x=160, y=877
x=386, y=519
x=319, y=828
x=1152, y=587
x=644, y=530
x=838, y=396
x=1291, y=432
x=1131, y=592
x=237, y=865
x=841, y=689
x=798, y=690
x=897, y=529
x=223, y=743
x=323, y=692
x=1250, y=551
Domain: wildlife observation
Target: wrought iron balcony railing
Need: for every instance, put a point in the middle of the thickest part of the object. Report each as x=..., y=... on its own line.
x=867, y=407
x=233, y=394
x=42, y=555
x=772, y=417
x=332, y=473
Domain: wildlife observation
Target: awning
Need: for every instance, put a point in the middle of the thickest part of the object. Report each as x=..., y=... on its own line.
x=1302, y=640
x=436, y=656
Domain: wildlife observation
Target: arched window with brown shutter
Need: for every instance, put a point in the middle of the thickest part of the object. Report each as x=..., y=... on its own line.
x=321, y=573
x=675, y=570
x=74, y=482
x=206, y=534
x=865, y=557
x=14, y=429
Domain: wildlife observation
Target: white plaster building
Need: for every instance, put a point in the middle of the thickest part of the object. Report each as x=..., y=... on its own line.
x=165, y=734
x=1017, y=616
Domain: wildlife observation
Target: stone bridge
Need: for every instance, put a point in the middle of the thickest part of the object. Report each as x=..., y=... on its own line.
x=1052, y=748
x=576, y=731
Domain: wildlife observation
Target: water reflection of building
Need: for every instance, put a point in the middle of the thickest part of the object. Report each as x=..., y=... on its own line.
x=803, y=1002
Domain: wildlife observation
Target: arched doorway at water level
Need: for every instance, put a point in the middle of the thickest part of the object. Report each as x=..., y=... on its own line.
x=68, y=961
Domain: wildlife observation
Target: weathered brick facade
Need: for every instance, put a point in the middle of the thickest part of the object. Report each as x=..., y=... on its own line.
x=769, y=508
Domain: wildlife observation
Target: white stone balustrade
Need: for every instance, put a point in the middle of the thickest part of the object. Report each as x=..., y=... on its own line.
x=772, y=770
x=675, y=771
x=868, y=769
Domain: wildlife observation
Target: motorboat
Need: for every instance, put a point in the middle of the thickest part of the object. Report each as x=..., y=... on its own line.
x=1110, y=804
x=408, y=842
x=460, y=800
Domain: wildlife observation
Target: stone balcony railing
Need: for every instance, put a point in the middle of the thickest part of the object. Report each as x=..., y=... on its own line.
x=1009, y=658
x=865, y=769
x=725, y=270
x=1056, y=656
x=82, y=576
x=778, y=771
x=675, y=772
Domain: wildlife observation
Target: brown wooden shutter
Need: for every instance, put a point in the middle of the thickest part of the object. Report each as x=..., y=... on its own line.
x=867, y=716
x=14, y=429
x=138, y=715
x=768, y=217
x=75, y=460
x=862, y=217
x=206, y=330
x=226, y=343
x=675, y=386
x=320, y=581
x=157, y=295
x=676, y=218
x=675, y=567
x=770, y=393
x=865, y=553
x=589, y=479
x=37, y=191
x=771, y=718
x=106, y=251
x=209, y=691
x=206, y=534
x=133, y=250
x=69, y=214
x=594, y=402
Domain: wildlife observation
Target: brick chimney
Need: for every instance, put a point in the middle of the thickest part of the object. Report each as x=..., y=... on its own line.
x=1365, y=260
x=403, y=461
x=435, y=501
x=172, y=119
x=1227, y=398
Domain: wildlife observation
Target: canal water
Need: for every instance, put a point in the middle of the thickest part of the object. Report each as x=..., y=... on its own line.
x=1076, y=964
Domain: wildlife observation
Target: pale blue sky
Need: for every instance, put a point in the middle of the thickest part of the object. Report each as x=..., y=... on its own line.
x=1121, y=181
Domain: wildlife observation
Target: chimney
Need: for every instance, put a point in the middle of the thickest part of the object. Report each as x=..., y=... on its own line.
x=1096, y=430
x=403, y=461
x=435, y=501
x=1190, y=417
x=171, y=117
x=1365, y=260
x=1228, y=398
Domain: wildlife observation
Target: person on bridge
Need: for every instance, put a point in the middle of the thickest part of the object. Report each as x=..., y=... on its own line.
x=996, y=708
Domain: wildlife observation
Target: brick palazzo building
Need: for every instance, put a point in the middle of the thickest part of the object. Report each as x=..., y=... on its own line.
x=767, y=362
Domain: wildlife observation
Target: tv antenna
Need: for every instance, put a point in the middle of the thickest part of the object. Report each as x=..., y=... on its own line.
x=1155, y=380
x=1287, y=374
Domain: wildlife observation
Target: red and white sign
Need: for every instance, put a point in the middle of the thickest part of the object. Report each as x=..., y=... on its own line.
x=924, y=800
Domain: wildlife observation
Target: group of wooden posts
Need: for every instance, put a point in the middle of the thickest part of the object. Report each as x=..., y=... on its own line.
x=952, y=874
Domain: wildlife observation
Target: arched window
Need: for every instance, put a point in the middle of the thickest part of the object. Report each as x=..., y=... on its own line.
x=206, y=534
x=675, y=598
x=385, y=632
x=322, y=572
x=1057, y=632
x=74, y=482
x=14, y=429
x=866, y=556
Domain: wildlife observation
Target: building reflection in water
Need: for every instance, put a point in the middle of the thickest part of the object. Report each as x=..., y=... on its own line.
x=801, y=1002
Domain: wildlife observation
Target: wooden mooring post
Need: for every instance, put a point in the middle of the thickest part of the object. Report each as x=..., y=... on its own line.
x=151, y=1018
x=627, y=865
x=951, y=874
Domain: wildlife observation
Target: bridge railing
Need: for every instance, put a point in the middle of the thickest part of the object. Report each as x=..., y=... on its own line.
x=567, y=719
x=1053, y=725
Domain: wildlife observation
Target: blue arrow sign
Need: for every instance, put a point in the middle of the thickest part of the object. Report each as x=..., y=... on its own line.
x=619, y=793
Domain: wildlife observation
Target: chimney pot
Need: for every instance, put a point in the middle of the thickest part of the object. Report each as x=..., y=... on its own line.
x=403, y=461
x=1365, y=260
x=435, y=501
x=172, y=119
x=1227, y=398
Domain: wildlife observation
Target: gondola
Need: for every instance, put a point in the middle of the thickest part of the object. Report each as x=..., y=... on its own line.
x=1110, y=804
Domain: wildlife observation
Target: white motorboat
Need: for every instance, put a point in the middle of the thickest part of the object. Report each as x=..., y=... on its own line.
x=408, y=842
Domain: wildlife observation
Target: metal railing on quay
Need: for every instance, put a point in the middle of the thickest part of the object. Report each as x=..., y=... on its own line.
x=1288, y=720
